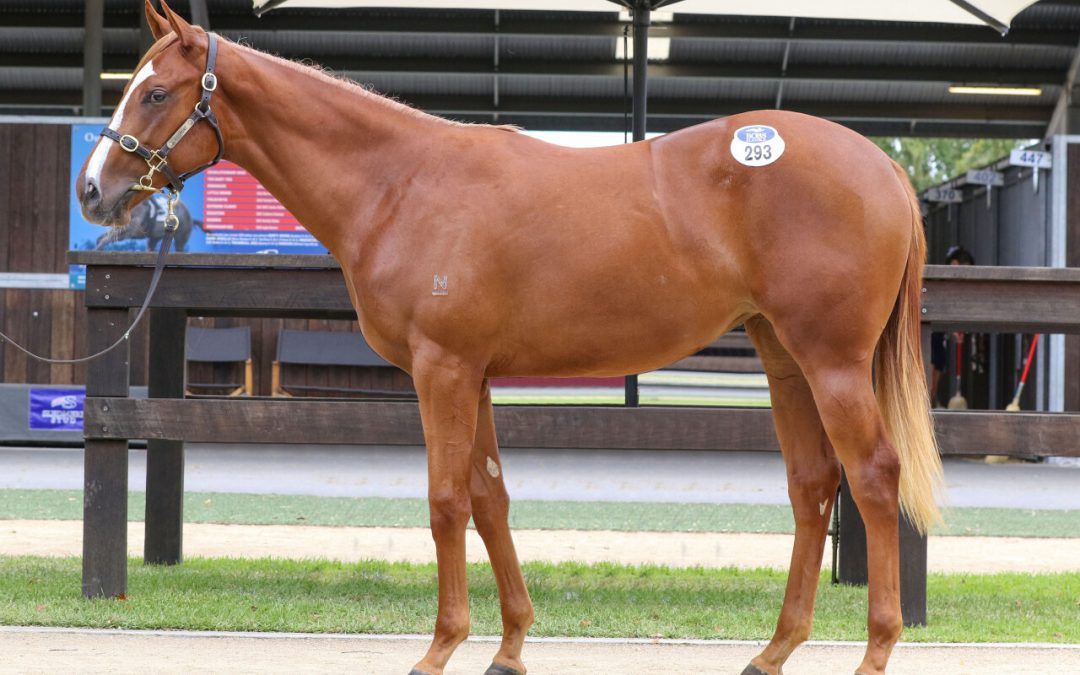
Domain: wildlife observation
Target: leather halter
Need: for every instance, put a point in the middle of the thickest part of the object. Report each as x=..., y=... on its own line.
x=157, y=160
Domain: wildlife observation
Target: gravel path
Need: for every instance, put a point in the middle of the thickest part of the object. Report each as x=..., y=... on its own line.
x=102, y=651
x=680, y=549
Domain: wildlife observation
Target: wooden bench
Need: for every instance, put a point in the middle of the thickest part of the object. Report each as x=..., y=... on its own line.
x=220, y=346
x=968, y=298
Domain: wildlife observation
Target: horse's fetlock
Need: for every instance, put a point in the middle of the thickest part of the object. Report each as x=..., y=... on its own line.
x=885, y=624
x=801, y=633
x=452, y=628
x=518, y=618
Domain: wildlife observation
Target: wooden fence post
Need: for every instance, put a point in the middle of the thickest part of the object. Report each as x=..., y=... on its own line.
x=105, y=471
x=164, y=537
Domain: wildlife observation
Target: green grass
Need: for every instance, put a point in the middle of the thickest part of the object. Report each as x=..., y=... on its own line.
x=633, y=516
x=571, y=600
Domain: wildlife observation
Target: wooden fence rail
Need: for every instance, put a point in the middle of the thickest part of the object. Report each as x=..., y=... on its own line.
x=1005, y=300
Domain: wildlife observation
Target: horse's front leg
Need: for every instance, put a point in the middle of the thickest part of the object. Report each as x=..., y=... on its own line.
x=490, y=508
x=449, y=393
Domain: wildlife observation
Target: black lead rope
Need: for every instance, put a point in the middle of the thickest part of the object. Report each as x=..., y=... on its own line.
x=157, y=160
x=159, y=267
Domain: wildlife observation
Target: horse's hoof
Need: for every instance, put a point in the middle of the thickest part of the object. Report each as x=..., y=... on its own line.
x=753, y=670
x=500, y=669
x=414, y=671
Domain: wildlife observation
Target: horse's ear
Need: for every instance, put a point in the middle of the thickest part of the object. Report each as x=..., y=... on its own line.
x=159, y=25
x=185, y=33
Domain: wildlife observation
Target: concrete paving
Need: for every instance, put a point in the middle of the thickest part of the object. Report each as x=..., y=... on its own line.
x=574, y=475
x=47, y=650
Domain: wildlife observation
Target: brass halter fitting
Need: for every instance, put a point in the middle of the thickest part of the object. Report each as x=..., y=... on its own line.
x=172, y=222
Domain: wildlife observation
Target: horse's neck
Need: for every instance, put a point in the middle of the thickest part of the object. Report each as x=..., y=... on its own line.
x=323, y=149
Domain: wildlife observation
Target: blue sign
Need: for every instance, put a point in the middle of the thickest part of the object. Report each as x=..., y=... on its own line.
x=224, y=210
x=57, y=409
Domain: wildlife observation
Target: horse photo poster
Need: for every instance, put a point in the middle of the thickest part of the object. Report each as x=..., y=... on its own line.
x=223, y=210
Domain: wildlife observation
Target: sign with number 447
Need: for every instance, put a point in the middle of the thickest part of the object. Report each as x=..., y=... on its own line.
x=1037, y=159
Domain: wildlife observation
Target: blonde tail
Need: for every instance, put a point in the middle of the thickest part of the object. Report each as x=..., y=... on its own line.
x=901, y=386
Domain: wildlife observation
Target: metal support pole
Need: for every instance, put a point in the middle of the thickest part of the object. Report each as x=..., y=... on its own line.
x=93, y=27
x=642, y=13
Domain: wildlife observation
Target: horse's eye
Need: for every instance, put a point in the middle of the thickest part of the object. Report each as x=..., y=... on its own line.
x=158, y=96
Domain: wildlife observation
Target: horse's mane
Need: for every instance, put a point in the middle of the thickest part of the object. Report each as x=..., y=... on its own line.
x=309, y=67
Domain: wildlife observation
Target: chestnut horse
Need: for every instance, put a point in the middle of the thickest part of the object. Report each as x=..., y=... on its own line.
x=473, y=252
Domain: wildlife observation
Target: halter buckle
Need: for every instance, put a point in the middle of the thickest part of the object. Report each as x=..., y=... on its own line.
x=129, y=143
x=209, y=81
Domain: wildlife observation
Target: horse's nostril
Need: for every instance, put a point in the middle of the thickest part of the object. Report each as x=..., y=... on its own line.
x=91, y=195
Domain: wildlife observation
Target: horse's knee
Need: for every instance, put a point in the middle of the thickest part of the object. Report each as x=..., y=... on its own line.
x=450, y=508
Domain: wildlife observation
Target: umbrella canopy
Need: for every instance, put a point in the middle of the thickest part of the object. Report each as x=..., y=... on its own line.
x=998, y=13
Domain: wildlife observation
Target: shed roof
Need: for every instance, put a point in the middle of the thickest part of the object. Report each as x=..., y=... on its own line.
x=558, y=70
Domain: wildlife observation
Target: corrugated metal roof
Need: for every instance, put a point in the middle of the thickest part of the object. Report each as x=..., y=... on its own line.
x=557, y=48
x=705, y=88
x=295, y=43
x=900, y=93
x=931, y=54
x=727, y=51
x=474, y=58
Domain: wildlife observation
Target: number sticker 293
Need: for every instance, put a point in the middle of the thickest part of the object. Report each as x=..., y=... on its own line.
x=757, y=145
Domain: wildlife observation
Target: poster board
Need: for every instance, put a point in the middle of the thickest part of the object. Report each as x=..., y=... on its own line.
x=223, y=210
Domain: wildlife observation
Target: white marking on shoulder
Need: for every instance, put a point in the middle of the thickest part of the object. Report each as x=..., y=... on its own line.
x=821, y=507
x=492, y=468
x=101, y=150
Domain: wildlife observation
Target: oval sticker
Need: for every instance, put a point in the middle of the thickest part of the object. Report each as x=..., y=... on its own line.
x=757, y=145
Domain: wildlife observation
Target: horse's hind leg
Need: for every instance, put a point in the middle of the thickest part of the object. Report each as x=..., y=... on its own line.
x=490, y=507
x=449, y=393
x=841, y=381
x=813, y=474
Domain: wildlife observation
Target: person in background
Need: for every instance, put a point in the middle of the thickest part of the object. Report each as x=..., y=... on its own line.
x=939, y=342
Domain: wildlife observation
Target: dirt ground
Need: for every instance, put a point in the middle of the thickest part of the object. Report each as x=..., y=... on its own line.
x=51, y=651
x=680, y=549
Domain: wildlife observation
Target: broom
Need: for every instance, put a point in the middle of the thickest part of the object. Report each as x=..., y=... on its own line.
x=1014, y=406
x=958, y=402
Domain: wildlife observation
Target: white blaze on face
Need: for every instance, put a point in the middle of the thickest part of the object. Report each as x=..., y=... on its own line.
x=104, y=145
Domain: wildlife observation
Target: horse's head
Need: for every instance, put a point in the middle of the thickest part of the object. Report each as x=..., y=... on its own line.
x=156, y=103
